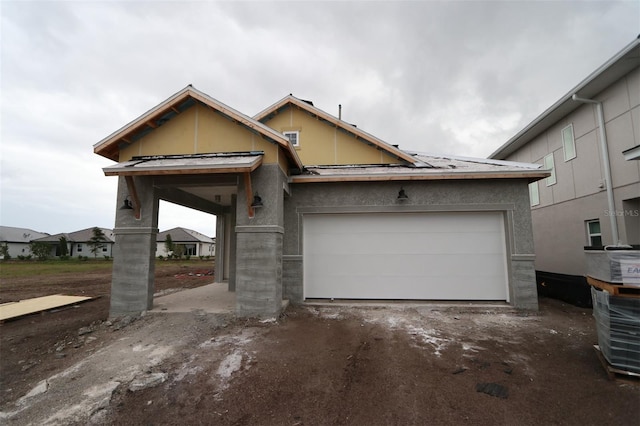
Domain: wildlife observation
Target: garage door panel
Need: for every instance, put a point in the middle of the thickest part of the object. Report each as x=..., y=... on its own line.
x=407, y=288
x=447, y=256
x=407, y=243
x=441, y=265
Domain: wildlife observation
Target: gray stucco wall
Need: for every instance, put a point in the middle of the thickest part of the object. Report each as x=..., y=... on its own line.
x=508, y=196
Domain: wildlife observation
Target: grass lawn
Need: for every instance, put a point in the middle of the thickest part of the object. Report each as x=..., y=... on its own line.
x=30, y=268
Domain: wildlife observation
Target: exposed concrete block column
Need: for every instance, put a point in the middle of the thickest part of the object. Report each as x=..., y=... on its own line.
x=225, y=248
x=221, y=253
x=259, y=271
x=259, y=242
x=524, y=292
x=132, y=283
x=292, y=277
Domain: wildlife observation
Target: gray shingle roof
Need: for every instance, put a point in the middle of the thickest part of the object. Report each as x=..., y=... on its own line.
x=81, y=236
x=10, y=234
x=183, y=235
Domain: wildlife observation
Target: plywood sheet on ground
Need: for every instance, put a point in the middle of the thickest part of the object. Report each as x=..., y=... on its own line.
x=38, y=304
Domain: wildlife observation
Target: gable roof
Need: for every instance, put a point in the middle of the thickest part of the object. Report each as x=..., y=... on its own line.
x=109, y=147
x=82, y=236
x=183, y=235
x=367, y=138
x=615, y=68
x=10, y=234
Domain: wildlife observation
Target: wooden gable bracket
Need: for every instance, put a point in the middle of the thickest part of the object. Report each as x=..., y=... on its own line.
x=134, y=196
x=249, y=193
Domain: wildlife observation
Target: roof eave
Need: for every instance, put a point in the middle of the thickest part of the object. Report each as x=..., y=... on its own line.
x=529, y=175
x=117, y=170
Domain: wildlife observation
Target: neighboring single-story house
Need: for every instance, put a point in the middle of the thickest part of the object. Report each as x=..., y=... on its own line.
x=78, y=243
x=309, y=206
x=193, y=243
x=18, y=240
x=588, y=138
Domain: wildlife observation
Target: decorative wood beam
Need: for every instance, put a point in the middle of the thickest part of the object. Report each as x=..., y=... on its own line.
x=151, y=124
x=176, y=110
x=249, y=193
x=134, y=195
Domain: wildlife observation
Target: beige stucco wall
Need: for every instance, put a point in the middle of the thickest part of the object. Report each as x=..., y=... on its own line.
x=321, y=143
x=559, y=221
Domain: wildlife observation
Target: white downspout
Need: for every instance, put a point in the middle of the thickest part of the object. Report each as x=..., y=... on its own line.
x=607, y=166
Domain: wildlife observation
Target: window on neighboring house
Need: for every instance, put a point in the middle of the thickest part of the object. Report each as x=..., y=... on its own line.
x=79, y=247
x=534, y=195
x=294, y=137
x=104, y=248
x=568, y=143
x=549, y=165
x=594, y=236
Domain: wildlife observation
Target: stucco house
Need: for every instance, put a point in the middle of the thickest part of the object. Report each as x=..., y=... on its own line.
x=17, y=240
x=309, y=206
x=193, y=242
x=589, y=139
x=78, y=243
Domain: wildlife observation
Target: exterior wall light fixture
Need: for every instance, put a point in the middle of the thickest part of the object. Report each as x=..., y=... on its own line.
x=257, y=201
x=127, y=204
x=402, y=195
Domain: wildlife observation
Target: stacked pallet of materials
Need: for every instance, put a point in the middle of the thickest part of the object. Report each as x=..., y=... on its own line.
x=618, y=326
x=615, y=290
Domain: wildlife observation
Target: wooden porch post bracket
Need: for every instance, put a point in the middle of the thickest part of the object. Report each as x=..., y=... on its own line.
x=134, y=196
x=249, y=193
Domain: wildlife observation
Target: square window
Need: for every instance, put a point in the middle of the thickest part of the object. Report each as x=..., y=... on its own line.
x=594, y=235
x=534, y=195
x=549, y=165
x=294, y=137
x=568, y=143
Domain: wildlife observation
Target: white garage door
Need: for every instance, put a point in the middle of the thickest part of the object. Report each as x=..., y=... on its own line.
x=430, y=256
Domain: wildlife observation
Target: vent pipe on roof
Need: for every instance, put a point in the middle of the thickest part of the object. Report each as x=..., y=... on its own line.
x=606, y=163
x=339, y=111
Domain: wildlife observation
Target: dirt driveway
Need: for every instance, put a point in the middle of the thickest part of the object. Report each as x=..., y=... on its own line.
x=337, y=365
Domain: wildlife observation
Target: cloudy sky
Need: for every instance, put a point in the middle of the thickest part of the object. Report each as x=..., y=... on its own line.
x=452, y=77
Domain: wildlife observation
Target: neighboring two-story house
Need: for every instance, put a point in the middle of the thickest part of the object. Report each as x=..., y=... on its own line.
x=588, y=139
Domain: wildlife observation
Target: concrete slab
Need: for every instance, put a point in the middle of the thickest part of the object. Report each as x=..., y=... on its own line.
x=212, y=298
x=37, y=304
